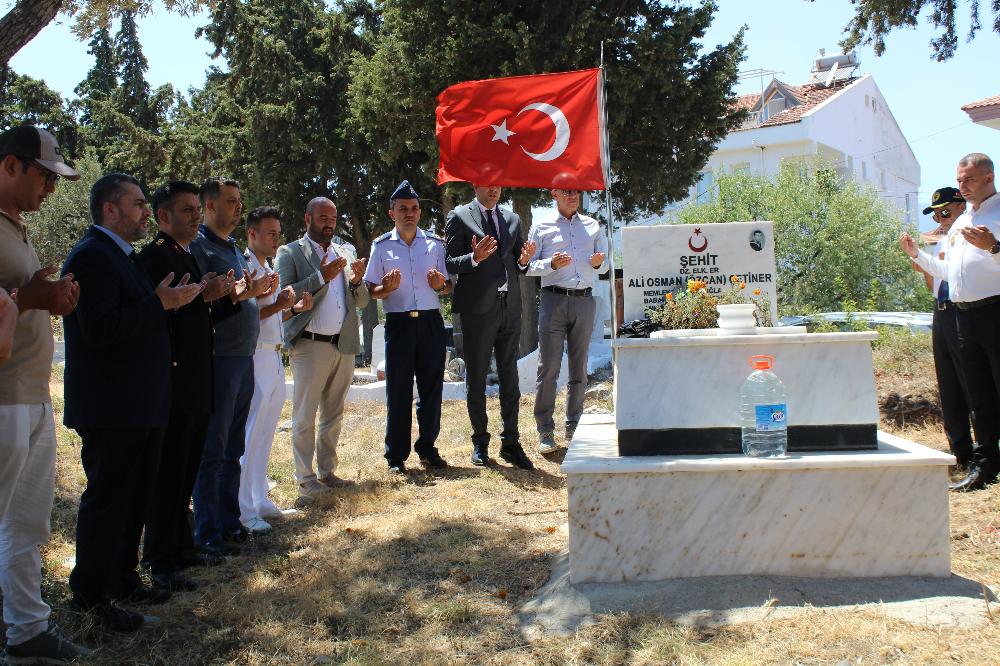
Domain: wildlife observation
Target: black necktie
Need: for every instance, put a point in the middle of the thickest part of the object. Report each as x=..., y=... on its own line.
x=493, y=229
x=942, y=294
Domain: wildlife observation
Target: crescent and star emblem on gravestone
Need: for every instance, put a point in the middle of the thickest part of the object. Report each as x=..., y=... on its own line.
x=697, y=232
x=501, y=133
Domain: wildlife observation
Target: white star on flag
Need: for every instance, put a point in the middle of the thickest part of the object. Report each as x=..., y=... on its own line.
x=502, y=133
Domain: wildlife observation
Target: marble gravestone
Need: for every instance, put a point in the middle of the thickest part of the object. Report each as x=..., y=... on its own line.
x=662, y=259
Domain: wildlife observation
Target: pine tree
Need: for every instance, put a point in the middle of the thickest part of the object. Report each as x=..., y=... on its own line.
x=132, y=96
x=102, y=79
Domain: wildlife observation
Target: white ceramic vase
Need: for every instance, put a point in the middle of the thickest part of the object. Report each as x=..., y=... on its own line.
x=737, y=319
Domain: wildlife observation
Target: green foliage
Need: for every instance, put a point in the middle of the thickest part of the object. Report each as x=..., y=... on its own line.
x=28, y=101
x=65, y=216
x=668, y=106
x=835, y=240
x=874, y=19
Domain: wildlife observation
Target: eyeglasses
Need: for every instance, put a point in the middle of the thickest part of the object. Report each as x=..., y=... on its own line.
x=52, y=176
x=567, y=193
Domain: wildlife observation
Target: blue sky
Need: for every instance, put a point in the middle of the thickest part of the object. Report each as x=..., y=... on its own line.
x=924, y=96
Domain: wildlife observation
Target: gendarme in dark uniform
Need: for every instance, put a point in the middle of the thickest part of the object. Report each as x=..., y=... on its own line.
x=169, y=541
x=408, y=276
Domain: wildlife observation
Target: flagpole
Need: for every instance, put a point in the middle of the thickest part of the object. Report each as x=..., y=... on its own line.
x=607, y=194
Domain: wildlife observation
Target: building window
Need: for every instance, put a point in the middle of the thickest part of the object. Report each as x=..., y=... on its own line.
x=874, y=107
x=907, y=201
x=864, y=171
x=775, y=105
x=867, y=103
x=704, y=187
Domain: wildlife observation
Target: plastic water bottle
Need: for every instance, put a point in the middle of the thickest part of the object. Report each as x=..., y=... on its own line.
x=764, y=413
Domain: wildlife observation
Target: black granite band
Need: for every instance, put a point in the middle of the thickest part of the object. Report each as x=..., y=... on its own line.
x=716, y=441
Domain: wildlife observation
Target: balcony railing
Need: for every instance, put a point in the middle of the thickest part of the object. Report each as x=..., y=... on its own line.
x=753, y=120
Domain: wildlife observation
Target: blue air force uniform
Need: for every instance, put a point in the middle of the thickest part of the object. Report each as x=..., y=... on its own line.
x=414, y=340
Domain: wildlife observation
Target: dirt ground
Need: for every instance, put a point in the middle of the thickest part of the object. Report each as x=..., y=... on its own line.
x=433, y=569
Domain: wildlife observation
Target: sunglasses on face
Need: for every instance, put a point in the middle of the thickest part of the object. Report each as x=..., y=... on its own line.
x=944, y=213
x=567, y=193
x=51, y=176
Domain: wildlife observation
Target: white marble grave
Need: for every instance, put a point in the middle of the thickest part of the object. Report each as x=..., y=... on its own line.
x=849, y=514
x=378, y=345
x=694, y=381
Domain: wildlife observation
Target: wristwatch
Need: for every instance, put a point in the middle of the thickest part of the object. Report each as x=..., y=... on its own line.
x=441, y=289
x=995, y=249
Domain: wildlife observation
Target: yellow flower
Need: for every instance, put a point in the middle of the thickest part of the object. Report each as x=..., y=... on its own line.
x=733, y=279
x=756, y=292
x=743, y=285
x=670, y=296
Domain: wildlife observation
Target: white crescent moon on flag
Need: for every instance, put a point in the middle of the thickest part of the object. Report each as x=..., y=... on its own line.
x=562, y=131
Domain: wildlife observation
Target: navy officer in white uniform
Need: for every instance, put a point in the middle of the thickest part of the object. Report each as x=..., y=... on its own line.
x=407, y=271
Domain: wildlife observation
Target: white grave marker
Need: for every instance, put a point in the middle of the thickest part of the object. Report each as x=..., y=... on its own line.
x=662, y=259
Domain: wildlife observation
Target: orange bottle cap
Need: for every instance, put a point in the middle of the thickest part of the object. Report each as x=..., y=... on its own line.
x=761, y=362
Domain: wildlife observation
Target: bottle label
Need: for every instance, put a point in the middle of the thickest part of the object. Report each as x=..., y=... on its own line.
x=771, y=418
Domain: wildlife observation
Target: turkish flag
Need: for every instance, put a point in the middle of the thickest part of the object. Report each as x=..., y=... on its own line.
x=544, y=130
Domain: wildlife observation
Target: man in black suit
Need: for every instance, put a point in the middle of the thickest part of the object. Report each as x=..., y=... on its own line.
x=168, y=544
x=117, y=397
x=485, y=248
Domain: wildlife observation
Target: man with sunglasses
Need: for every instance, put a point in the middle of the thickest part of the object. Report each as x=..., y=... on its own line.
x=947, y=205
x=971, y=266
x=570, y=248
x=30, y=167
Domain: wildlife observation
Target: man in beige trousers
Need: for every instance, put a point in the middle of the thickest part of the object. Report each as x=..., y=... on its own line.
x=322, y=341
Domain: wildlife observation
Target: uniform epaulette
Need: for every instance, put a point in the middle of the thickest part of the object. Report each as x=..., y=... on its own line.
x=437, y=238
x=159, y=241
x=383, y=237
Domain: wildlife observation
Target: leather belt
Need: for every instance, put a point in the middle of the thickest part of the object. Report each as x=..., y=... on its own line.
x=332, y=339
x=268, y=346
x=411, y=313
x=944, y=305
x=969, y=305
x=568, y=292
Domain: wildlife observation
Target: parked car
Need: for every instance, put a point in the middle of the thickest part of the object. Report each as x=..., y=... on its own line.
x=915, y=321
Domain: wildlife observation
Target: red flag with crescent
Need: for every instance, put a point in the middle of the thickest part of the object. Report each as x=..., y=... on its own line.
x=544, y=130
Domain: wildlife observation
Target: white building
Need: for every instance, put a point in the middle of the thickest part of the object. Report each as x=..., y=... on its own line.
x=839, y=116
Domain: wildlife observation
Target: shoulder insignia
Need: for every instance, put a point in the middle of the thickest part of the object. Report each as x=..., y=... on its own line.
x=177, y=249
x=383, y=237
x=159, y=241
x=432, y=236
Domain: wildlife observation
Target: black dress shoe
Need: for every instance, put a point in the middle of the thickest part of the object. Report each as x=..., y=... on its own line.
x=480, y=458
x=979, y=477
x=173, y=581
x=145, y=595
x=238, y=536
x=220, y=547
x=434, y=462
x=192, y=557
x=111, y=617
x=517, y=458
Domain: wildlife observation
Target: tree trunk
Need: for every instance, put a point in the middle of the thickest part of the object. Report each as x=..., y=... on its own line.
x=528, y=341
x=21, y=24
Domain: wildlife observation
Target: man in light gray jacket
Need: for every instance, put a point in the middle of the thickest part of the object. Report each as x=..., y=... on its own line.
x=322, y=343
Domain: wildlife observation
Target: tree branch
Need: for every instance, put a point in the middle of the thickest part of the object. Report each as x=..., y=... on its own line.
x=20, y=25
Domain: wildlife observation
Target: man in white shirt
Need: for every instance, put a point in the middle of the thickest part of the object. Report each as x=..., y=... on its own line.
x=323, y=343
x=263, y=240
x=971, y=267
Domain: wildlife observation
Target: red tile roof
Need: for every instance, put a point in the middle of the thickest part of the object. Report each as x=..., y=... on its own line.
x=989, y=101
x=747, y=101
x=809, y=97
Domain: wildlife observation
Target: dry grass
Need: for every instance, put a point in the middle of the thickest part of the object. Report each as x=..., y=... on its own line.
x=432, y=571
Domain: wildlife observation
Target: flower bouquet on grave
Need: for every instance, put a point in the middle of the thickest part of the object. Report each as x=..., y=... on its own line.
x=695, y=308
